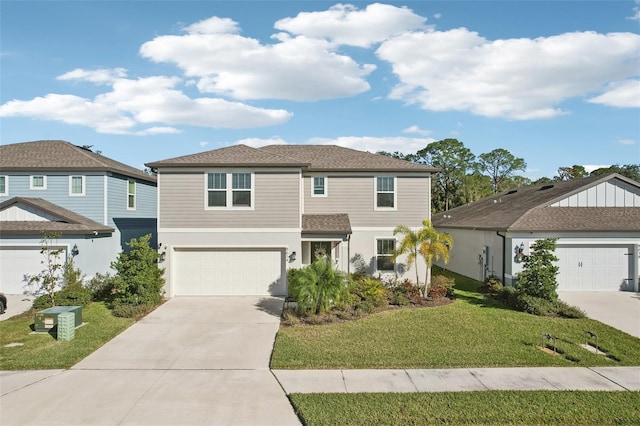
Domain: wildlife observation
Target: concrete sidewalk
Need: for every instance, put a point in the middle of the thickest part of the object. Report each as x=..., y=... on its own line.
x=462, y=379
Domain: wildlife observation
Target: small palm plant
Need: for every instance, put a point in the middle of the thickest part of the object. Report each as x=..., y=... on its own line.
x=319, y=287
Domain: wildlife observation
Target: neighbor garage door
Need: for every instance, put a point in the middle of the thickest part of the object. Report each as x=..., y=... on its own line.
x=594, y=268
x=15, y=264
x=228, y=272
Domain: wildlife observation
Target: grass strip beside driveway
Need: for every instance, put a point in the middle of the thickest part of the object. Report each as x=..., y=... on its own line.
x=43, y=351
x=474, y=331
x=477, y=408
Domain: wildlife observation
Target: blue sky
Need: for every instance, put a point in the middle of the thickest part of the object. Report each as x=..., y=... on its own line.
x=556, y=83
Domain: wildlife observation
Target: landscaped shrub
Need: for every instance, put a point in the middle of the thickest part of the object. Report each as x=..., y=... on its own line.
x=534, y=305
x=508, y=296
x=492, y=284
x=518, y=300
x=368, y=290
x=319, y=287
x=441, y=286
x=292, y=281
x=101, y=287
x=404, y=292
x=538, y=276
x=73, y=292
x=43, y=301
x=568, y=311
x=138, y=281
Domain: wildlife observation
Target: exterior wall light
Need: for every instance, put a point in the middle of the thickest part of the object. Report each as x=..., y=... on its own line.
x=75, y=251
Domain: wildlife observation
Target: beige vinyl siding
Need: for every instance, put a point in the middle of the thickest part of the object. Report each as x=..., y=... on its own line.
x=354, y=195
x=182, y=202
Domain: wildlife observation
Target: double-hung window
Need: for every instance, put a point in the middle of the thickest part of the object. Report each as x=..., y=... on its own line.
x=76, y=186
x=384, y=254
x=319, y=186
x=4, y=185
x=38, y=182
x=131, y=195
x=385, y=193
x=229, y=190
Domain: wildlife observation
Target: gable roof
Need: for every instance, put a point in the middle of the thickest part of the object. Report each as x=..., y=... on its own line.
x=56, y=155
x=309, y=157
x=527, y=209
x=67, y=222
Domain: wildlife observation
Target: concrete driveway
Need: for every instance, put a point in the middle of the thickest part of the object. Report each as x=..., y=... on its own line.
x=17, y=304
x=196, y=360
x=619, y=309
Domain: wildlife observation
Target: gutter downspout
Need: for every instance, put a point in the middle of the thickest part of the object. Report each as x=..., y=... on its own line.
x=504, y=244
x=349, y=254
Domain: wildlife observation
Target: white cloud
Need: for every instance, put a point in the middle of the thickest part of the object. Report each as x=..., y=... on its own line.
x=132, y=103
x=292, y=68
x=627, y=141
x=636, y=14
x=203, y=143
x=260, y=142
x=437, y=15
x=345, y=24
x=620, y=94
x=416, y=130
x=591, y=167
x=375, y=144
x=458, y=70
x=99, y=76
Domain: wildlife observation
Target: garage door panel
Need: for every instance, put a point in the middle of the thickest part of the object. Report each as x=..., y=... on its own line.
x=15, y=263
x=228, y=272
x=594, y=267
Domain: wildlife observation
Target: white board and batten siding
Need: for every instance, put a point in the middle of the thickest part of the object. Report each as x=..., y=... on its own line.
x=229, y=272
x=612, y=193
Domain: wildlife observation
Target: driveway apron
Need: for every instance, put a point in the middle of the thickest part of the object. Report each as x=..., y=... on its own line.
x=194, y=360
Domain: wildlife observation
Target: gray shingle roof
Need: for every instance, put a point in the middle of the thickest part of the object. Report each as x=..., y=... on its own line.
x=67, y=222
x=326, y=223
x=527, y=209
x=54, y=155
x=310, y=157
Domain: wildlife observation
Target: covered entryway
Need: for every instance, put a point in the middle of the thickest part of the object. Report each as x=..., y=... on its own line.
x=229, y=272
x=595, y=267
x=16, y=263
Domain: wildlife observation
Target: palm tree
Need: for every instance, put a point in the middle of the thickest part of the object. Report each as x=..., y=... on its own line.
x=409, y=245
x=433, y=246
x=426, y=242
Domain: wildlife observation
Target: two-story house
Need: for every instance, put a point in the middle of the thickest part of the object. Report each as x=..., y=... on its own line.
x=232, y=220
x=97, y=204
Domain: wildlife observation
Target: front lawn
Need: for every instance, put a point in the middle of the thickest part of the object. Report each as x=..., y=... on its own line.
x=474, y=331
x=477, y=408
x=43, y=351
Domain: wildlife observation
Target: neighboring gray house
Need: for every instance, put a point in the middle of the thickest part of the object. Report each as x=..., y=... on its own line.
x=595, y=219
x=98, y=204
x=232, y=220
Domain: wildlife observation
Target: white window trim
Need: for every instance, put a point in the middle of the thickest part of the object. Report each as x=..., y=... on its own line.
x=38, y=188
x=80, y=194
x=229, y=190
x=326, y=187
x=375, y=194
x=375, y=251
x=135, y=194
x=6, y=185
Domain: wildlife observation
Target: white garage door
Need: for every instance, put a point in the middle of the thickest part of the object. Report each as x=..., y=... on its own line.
x=228, y=272
x=594, y=268
x=15, y=263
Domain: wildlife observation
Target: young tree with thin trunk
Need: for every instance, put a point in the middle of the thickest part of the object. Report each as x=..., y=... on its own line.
x=435, y=245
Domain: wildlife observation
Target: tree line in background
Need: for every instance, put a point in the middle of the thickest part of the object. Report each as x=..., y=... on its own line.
x=465, y=177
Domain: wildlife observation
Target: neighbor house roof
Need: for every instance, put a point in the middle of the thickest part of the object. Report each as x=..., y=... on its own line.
x=326, y=224
x=528, y=209
x=55, y=155
x=309, y=157
x=67, y=222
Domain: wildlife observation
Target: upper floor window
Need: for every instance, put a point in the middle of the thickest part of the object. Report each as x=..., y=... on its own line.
x=4, y=185
x=38, y=182
x=386, y=192
x=319, y=186
x=384, y=254
x=131, y=195
x=237, y=195
x=76, y=185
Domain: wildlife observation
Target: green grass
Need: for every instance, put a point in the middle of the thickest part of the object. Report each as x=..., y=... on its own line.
x=43, y=351
x=474, y=331
x=477, y=408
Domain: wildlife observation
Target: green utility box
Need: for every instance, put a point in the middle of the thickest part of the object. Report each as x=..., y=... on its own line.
x=66, y=326
x=48, y=318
